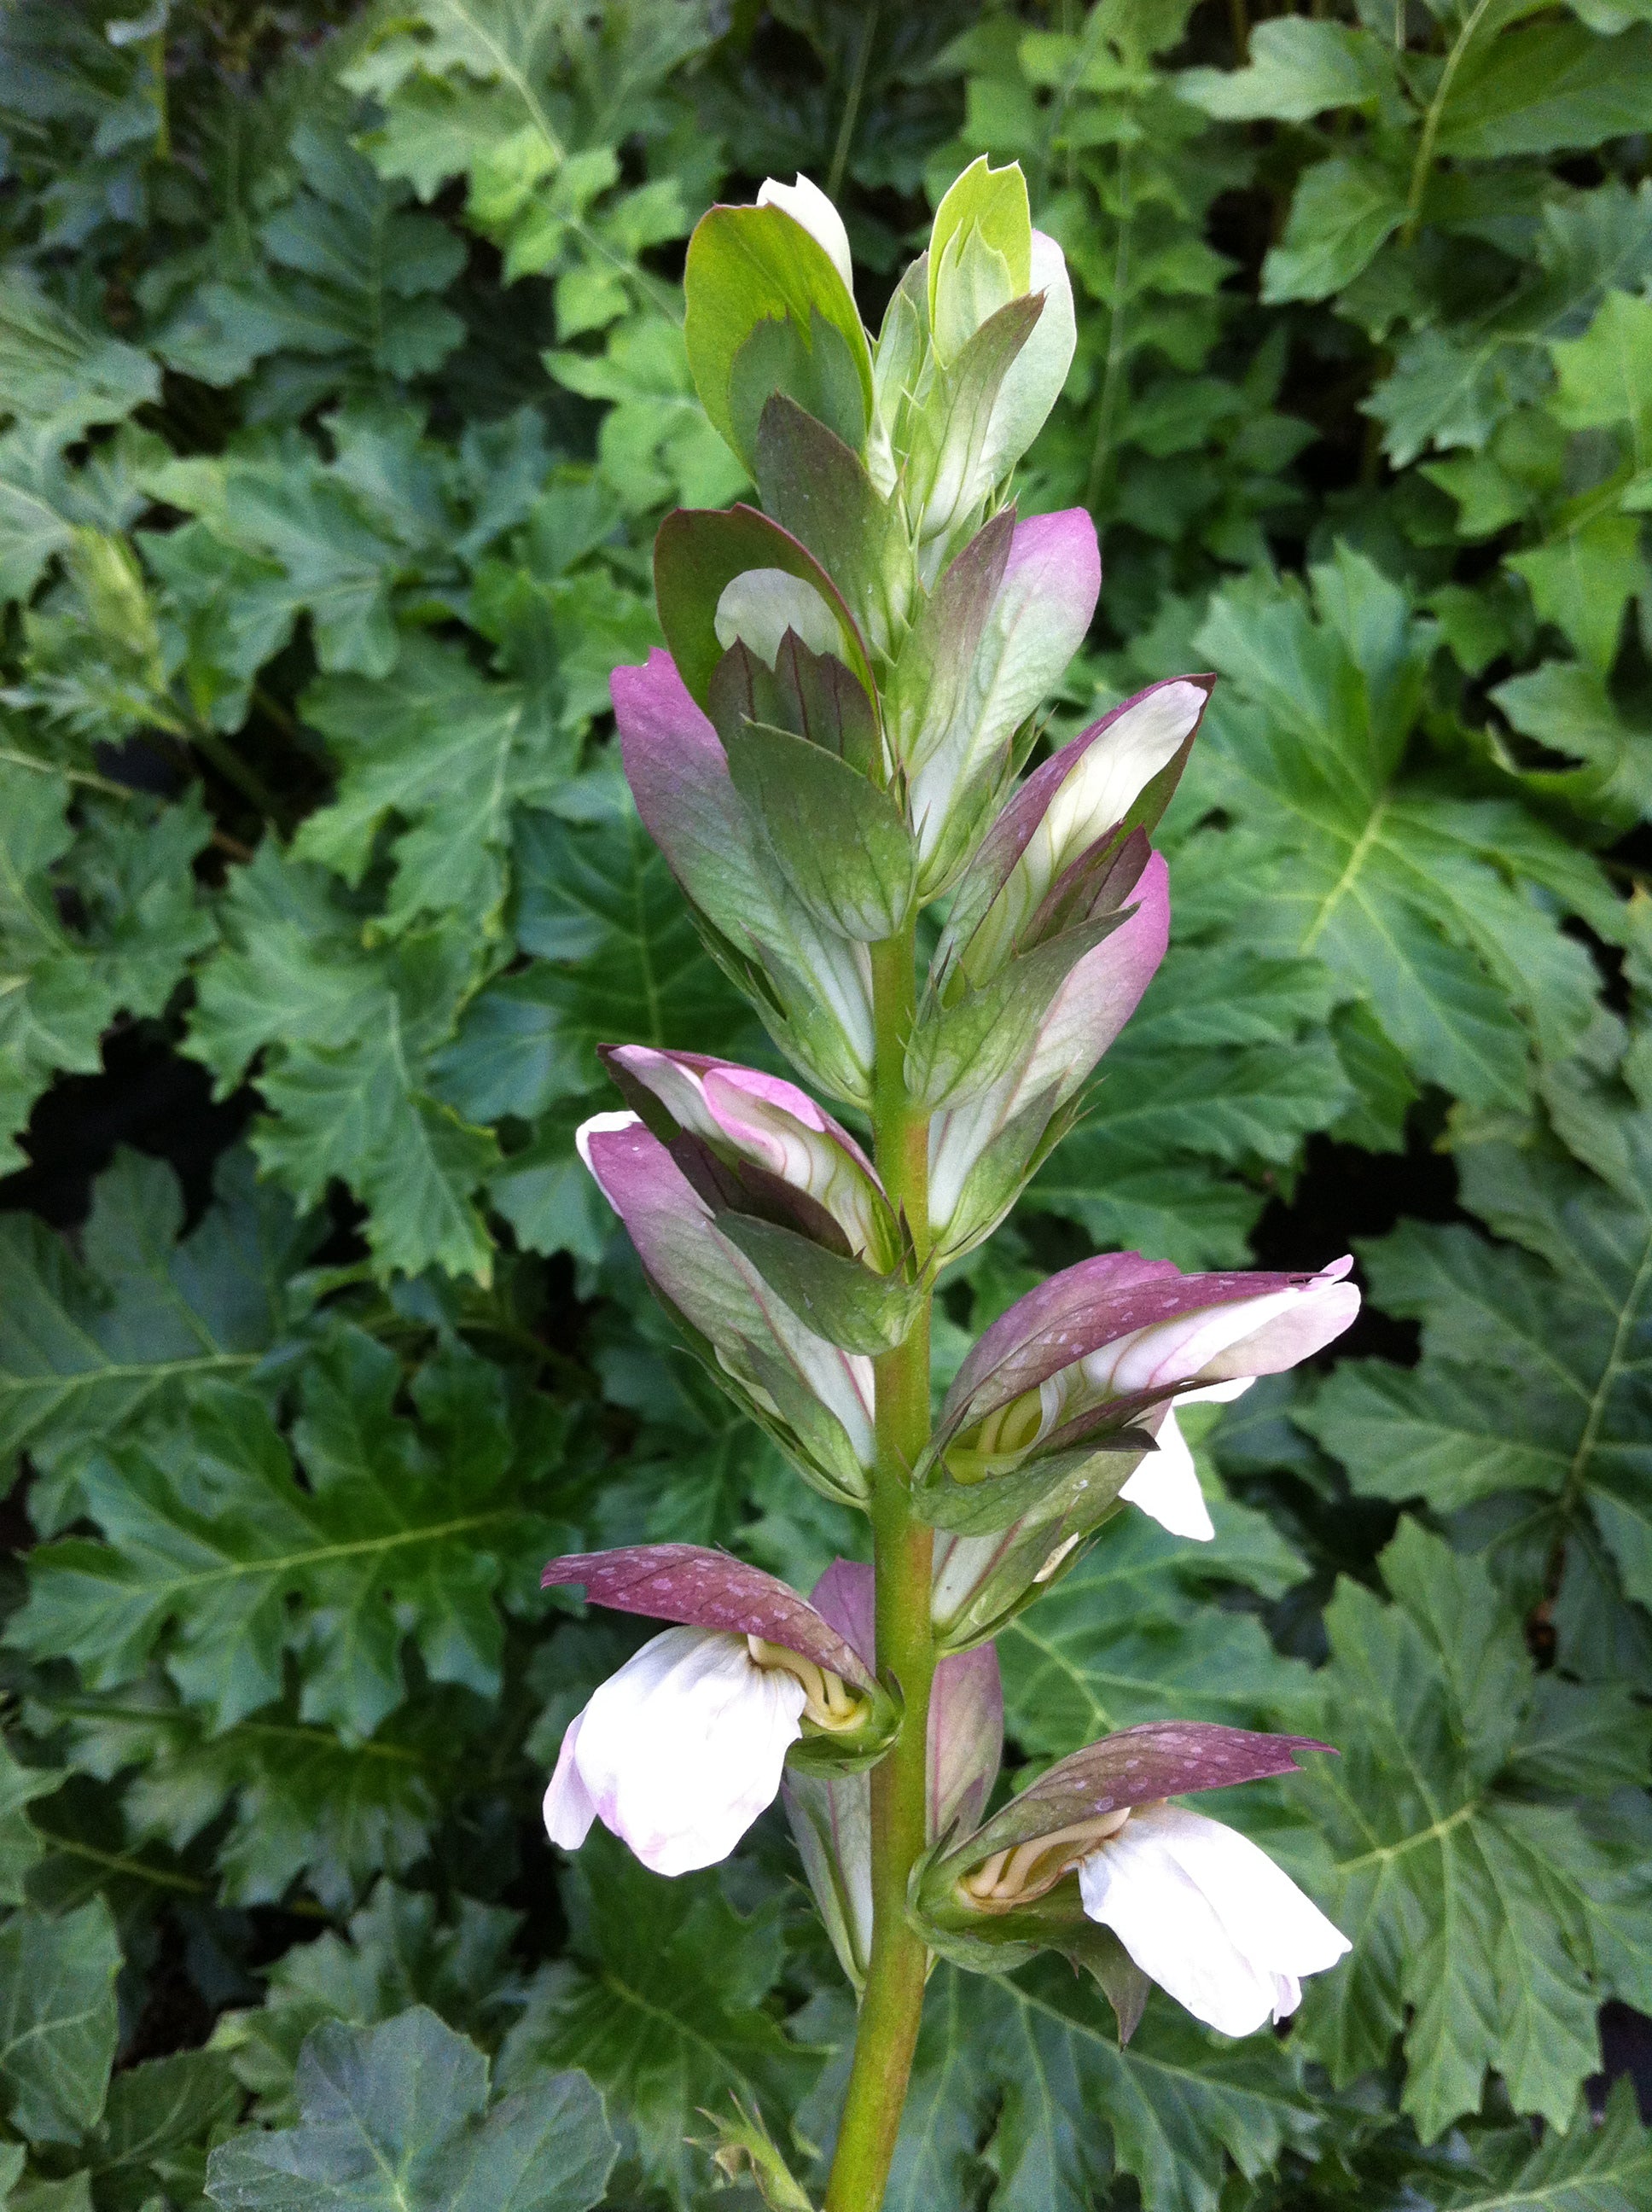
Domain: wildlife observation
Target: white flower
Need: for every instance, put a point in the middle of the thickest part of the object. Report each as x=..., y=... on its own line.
x=1208, y=1917
x=1166, y=1484
x=678, y=1753
x=808, y=205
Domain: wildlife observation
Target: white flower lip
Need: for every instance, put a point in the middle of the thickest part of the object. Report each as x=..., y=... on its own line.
x=678, y=1753
x=809, y=207
x=1166, y=1484
x=1208, y=1916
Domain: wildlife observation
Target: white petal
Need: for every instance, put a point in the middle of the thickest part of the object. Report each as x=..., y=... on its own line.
x=1166, y=1486
x=595, y=1126
x=568, y=1807
x=1099, y=790
x=1257, y=1902
x=1134, y=1886
x=683, y=1747
x=807, y=204
x=759, y=606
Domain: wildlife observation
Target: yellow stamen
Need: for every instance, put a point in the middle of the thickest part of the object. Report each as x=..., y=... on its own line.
x=1015, y=1877
x=828, y=1701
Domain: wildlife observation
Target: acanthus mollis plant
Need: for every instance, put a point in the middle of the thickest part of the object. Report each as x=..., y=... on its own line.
x=830, y=757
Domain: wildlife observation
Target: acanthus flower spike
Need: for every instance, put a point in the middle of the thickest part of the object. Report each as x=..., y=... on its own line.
x=680, y=1750
x=1161, y=1893
x=1066, y=1405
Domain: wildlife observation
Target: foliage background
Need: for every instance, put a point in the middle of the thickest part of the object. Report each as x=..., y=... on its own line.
x=343, y=386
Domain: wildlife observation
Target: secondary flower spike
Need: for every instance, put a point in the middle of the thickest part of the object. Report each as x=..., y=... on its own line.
x=680, y=1751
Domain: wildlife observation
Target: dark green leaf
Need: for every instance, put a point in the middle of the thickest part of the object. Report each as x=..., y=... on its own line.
x=398, y=2117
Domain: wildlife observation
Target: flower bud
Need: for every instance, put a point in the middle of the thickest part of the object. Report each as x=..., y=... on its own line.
x=748, y=1120
x=974, y=351
x=1032, y=873
x=1121, y=1332
x=814, y=1398
x=769, y=307
x=808, y=205
x=1194, y=1905
x=831, y=1816
x=812, y=987
x=985, y=1142
x=1065, y=1406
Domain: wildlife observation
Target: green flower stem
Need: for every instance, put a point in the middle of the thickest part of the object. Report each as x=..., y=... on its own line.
x=903, y=1548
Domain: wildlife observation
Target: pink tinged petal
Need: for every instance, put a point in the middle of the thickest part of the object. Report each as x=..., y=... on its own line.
x=794, y=1138
x=700, y=1274
x=1166, y=1486
x=1076, y=798
x=569, y=1808
x=600, y=1125
x=712, y=1096
x=1095, y=1311
x=1320, y=1314
x=694, y=1585
x=1259, y=1335
x=683, y=1747
x=1102, y=993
